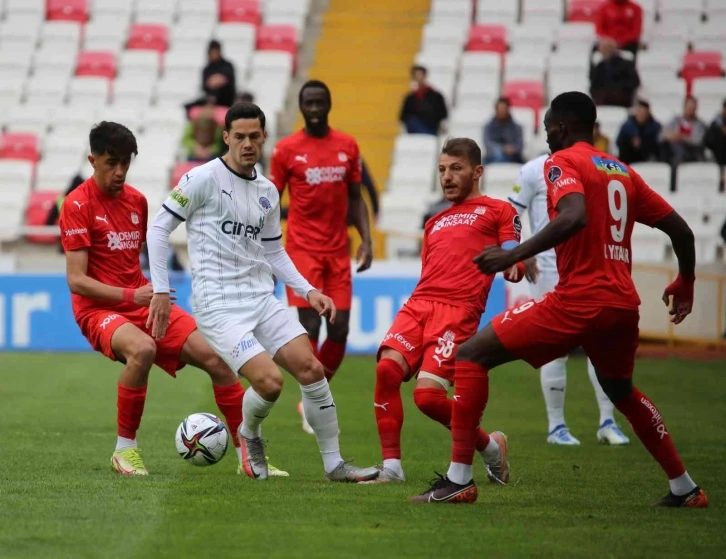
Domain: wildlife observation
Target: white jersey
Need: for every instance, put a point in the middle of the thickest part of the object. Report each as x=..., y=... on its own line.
x=227, y=217
x=530, y=194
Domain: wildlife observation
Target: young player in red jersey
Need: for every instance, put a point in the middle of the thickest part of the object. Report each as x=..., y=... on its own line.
x=444, y=309
x=103, y=225
x=593, y=201
x=322, y=168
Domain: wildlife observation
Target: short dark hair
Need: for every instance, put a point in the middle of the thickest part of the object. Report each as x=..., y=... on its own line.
x=243, y=110
x=214, y=44
x=577, y=108
x=113, y=139
x=314, y=83
x=463, y=147
x=504, y=100
x=418, y=68
x=643, y=103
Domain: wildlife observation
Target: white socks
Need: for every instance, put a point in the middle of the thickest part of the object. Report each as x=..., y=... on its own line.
x=124, y=444
x=682, y=485
x=603, y=402
x=491, y=452
x=323, y=419
x=254, y=410
x=239, y=453
x=394, y=464
x=460, y=473
x=553, y=377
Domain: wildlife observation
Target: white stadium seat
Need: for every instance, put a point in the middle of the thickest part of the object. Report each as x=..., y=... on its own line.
x=139, y=63
x=122, y=9
x=526, y=65
x=128, y=115
x=105, y=34
x=11, y=89
x=42, y=89
x=575, y=38
x=186, y=62
x=235, y=36
x=529, y=37
x=195, y=8
x=499, y=179
x=50, y=60
x=655, y=175
x=271, y=62
x=55, y=171
x=544, y=12
x=443, y=33
x=30, y=7
x=415, y=150
x=134, y=90
x=66, y=33
x=497, y=12
x=611, y=119
x=698, y=179
x=78, y=118
x=192, y=33
x=458, y=12
x=20, y=30
x=164, y=118
x=174, y=91
x=476, y=90
x=89, y=92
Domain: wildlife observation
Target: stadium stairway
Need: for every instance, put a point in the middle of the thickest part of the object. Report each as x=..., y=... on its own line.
x=364, y=54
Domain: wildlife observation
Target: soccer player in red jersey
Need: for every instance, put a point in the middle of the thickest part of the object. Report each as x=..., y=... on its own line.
x=593, y=202
x=445, y=309
x=322, y=168
x=103, y=225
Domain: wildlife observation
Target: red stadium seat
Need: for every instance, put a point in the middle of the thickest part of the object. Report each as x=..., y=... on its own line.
x=182, y=169
x=39, y=205
x=277, y=37
x=526, y=93
x=583, y=10
x=240, y=11
x=101, y=64
x=20, y=146
x=489, y=38
x=148, y=37
x=219, y=114
x=67, y=10
x=699, y=64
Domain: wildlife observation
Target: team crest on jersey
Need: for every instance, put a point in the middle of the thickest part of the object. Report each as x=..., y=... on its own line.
x=265, y=203
x=342, y=157
x=134, y=218
x=554, y=174
x=480, y=210
x=448, y=336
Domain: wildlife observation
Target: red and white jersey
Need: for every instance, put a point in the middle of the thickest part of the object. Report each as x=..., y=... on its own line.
x=318, y=172
x=112, y=230
x=595, y=264
x=452, y=239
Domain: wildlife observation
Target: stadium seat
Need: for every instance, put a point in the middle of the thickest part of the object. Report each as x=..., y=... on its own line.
x=236, y=36
x=572, y=38
x=73, y=118
x=17, y=180
x=182, y=61
x=142, y=63
x=655, y=175
x=417, y=181
x=611, y=119
x=100, y=64
x=134, y=90
x=499, y=179
x=496, y=11
x=492, y=38
x=45, y=90
x=710, y=36
x=121, y=10
x=271, y=62
x=164, y=119
x=688, y=12
x=175, y=91
x=49, y=61
x=89, y=91
x=710, y=93
x=277, y=38
x=524, y=94
x=26, y=7
x=413, y=149
x=476, y=91
x=647, y=245
x=24, y=147
x=148, y=37
x=105, y=34
x=12, y=86
x=191, y=34
x=156, y=11
x=128, y=115
x=698, y=179
x=201, y=10
x=36, y=215
x=240, y=11
x=454, y=11
x=531, y=38
x=180, y=170
x=67, y=10
x=437, y=34
x=699, y=64
x=30, y=118
x=583, y=10
x=219, y=114
x=291, y=18
x=544, y=12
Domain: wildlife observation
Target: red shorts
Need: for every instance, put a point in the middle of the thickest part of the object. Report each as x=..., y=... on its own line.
x=542, y=330
x=428, y=333
x=329, y=273
x=99, y=326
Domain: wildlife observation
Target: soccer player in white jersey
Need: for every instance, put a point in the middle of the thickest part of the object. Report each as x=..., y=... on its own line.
x=232, y=217
x=530, y=195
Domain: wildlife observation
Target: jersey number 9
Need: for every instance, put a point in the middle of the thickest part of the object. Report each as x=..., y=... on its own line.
x=618, y=203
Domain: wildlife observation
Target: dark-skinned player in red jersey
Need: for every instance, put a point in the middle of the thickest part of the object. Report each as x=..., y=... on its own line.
x=444, y=310
x=322, y=168
x=103, y=225
x=593, y=201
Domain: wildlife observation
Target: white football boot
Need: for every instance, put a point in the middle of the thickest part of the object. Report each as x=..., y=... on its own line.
x=561, y=435
x=610, y=433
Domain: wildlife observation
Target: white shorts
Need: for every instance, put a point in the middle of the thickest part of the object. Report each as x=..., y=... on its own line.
x=240, y=333
x=545, y=284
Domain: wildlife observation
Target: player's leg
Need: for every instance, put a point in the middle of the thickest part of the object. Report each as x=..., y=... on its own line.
x=612, y=347
x=608, y=431
x=338, y=285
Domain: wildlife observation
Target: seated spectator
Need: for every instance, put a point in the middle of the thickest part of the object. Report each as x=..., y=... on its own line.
x=638, y=137
x=716, y=137
x=682, y=138
x=502, y=136
x=613, y=80
x=601, y=141
x=424, y=109
x=218, y=76
x=203, y=137
x=622, y=20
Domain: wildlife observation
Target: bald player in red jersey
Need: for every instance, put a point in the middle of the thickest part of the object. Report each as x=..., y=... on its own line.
x=593, y=201
x=322, y=168
x=445, y=309
x=103, y=225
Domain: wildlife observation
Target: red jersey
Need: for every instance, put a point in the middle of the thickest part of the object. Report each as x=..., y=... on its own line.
x=112, y=230
x=595, y=263
x=452, y=239
x=318, y=172
x=622, y=22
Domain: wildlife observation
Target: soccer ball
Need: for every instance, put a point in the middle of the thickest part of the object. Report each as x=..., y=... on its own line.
x=201, y=439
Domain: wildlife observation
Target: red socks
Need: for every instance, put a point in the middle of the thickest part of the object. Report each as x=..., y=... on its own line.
x=331, y=355
x=471, y=396
x=434, y=403
x=648, y=425
x=229, y=402
x=388, y=407
x=130, y=404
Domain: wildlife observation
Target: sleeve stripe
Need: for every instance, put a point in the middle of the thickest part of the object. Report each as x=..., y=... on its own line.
x=274, y=238
x=172, y=212
x=517, y=203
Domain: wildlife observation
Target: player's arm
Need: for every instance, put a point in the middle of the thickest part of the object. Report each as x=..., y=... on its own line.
x=521, y=199
x=359, y=213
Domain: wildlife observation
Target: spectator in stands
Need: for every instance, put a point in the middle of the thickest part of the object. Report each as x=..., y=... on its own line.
x=245, y=97
x=218, y=76
x=613, y=80
x=600, y=140
x=203, y=136
x=621, y=20
x=639, y=136
x=503, y=136
x=424, y=109
x=716, y=137
x=682, y=138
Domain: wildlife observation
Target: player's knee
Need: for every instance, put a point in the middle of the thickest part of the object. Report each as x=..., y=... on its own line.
x=269, y=387
x=616, y=389
x=389, y=373
x=429, y=400
x=143, y=352
x=310, y=370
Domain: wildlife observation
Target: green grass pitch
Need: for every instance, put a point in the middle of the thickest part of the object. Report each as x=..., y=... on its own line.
x=59, y=497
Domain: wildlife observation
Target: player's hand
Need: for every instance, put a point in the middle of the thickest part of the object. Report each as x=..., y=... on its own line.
x=531, y=270
x=159, y=312
x=364, y=257
x=494, y=259
x=143, y=295
x=323, y=304
x=679, y=297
